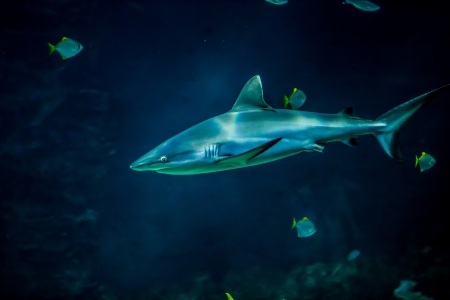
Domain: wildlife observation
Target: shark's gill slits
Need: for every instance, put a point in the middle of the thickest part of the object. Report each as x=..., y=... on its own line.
x=212, y=150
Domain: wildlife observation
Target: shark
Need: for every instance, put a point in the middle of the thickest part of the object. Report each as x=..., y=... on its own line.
x=254, y=133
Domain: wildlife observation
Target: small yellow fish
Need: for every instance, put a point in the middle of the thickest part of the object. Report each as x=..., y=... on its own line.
x=66, y=48
x=425, y=161
x=229, y=296
x=305, y=227
x=296, y=100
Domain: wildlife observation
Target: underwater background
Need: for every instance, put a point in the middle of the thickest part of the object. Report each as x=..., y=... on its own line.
x=77, y=223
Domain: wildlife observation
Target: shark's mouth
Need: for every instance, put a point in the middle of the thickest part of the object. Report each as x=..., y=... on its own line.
x=142, y=167
x=138, y=168
x=176, y=171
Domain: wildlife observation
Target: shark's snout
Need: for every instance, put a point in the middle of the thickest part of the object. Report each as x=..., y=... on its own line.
x=137, y=166
x=144, y=165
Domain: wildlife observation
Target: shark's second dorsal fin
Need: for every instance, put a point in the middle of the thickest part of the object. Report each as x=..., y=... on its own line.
x=251, y=97
x=348, y=113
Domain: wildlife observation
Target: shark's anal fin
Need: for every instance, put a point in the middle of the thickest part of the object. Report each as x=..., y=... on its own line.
x=243, y=158
x=351, y=142
x=348, y=113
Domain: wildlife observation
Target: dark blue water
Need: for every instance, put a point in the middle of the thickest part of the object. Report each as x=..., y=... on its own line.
x=77, y=223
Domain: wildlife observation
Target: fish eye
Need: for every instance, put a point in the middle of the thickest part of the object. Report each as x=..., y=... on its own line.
x=78, y=46
x=163, y=159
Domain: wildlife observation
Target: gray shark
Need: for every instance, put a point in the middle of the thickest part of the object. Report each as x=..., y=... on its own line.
x=254, y=133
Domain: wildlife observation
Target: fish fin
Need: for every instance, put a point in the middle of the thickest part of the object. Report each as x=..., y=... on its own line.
x=293, y=92
x=251, y=97
x=396, y=118
x=305, y=219
x=390, y=143
x=350, y=142
x=293, y=223
x=64, y=39
x=348, y=113
x=417, y=161
x=297, y=99
x=52, y=48
x=229, y=296
x=315, y=148
x=243, y=158
x=285, y=101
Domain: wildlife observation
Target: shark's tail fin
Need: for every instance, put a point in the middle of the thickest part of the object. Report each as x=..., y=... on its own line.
x=394, y=120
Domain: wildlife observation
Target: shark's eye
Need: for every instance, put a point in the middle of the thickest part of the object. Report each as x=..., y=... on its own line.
x=163, y=159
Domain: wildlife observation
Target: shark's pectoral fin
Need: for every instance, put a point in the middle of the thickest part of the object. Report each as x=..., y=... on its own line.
x=316, y=147
x=243, y=158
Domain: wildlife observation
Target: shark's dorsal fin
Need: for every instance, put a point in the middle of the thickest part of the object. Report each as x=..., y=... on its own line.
x=348, y=113
x=251, y=97
x=243, y=158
